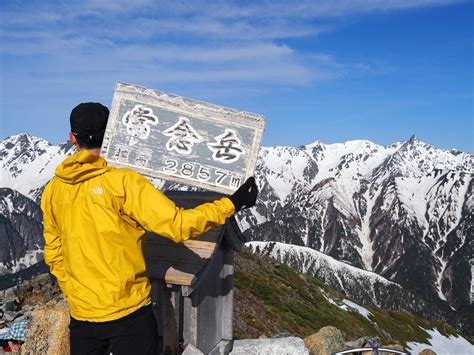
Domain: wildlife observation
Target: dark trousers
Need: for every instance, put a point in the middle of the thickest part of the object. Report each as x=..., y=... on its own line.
x=132, y=334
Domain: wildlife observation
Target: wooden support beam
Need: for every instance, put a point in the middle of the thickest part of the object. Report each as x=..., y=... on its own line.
x=171, y=320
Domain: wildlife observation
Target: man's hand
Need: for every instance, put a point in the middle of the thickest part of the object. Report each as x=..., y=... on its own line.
x=246, y=195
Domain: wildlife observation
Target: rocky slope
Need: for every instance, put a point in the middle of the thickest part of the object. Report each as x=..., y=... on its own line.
x=364, y=286
x=21, y=232
x=403, y=211
x=271, y=300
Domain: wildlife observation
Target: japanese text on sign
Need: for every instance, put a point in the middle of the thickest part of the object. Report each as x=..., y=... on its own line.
x=181, y=140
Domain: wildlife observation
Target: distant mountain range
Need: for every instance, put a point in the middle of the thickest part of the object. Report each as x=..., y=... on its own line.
x=403, y=211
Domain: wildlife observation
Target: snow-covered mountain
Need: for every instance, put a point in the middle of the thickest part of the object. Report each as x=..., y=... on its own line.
x=403, y=211
x=21, y=232
x=27, y=163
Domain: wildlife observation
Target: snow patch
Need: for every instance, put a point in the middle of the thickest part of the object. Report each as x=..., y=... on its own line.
x=442, y=344
x=366, y=251
x=363, y=311
x=349, y=306
x=281, y=187
x=290, y=162
x=412, y=193
x=321, y=261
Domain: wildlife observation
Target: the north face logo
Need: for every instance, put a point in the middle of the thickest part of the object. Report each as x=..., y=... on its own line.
x=97, y=190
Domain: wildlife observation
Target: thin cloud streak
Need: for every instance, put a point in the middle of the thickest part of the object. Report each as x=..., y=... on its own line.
x=302, y=9
x=183, y=41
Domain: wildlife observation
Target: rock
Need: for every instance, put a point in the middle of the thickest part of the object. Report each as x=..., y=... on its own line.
x=43, y=279
x=11, y=306
x=363, y=342
x=327, y=340
x=282, y=335
x=289, y=345
x=48, y=331
x=427, y=352
x=8, y=317
x=391, y=346
x=38, y=290
x=9, y=293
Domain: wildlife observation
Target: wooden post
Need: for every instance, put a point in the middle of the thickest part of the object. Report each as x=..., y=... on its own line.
x=228, y=284
x=194, y=292
x=171, y=320
x=157, y=297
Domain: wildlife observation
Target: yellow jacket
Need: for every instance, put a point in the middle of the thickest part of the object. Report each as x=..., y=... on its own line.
x=94, y=221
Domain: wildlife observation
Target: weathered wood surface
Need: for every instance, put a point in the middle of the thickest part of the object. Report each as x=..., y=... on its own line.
x=180, y=252
x=200, y=313
x=208, y=311
x=181, y=140
x=181, y=263
x=172, y=319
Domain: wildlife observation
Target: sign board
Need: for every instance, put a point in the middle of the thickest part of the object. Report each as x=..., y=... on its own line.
x=181, y=140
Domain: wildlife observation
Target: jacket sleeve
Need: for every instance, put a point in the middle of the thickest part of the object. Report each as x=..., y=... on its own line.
x=157, y=213
x=53, y=255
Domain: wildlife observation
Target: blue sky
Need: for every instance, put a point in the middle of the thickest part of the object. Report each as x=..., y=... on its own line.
x=318, y=70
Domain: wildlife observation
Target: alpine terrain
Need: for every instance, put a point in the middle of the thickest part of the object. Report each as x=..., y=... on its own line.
x=397, y=220
x=403, y=211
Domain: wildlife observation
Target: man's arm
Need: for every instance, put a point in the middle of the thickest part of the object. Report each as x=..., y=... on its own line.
x=53, y=255
x=158, y=214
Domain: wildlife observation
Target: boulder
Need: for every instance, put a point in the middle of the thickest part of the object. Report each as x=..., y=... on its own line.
x=9, y=317
x=9, y=293
x=288, y=345
x=48, y=331
x=329, y=339
x=11, y=306
x=427, y=352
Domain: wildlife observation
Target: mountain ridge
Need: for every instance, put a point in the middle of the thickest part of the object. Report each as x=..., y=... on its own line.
x=340, y=198
x=402, y=210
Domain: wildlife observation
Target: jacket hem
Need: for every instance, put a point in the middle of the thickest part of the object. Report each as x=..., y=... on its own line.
x=114, y=316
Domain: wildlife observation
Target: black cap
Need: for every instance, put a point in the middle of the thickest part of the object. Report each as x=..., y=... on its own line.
x=88, y=122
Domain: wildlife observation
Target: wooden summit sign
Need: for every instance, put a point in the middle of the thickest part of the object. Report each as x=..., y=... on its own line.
x=181, y=140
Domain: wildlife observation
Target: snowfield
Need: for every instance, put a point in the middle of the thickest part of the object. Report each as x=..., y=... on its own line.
x=443, y=345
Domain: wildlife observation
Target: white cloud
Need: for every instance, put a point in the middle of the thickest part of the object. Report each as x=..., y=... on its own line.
x=303, y=9
x=182, y=41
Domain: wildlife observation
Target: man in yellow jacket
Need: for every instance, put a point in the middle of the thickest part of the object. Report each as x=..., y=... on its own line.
x=95, y=217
